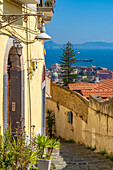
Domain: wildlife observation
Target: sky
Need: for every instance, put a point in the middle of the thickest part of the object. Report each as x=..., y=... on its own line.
x=80, y=21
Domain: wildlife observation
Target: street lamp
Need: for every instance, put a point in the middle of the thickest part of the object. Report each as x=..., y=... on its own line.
x=42, y=35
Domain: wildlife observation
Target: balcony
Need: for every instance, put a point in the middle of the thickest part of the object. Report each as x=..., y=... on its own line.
x=47, y=8
x=26, y=1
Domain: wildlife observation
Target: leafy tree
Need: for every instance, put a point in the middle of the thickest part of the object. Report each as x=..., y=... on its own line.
x=67, y=60
x=86, y=80
x=82, y=73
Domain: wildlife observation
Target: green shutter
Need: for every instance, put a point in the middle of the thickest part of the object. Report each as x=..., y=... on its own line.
x=70, y=117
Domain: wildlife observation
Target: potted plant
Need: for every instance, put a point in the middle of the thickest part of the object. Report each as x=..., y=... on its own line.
x=48, y=3
x=43, y=156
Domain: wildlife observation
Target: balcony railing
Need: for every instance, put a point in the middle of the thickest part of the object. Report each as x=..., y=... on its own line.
x=46, y=5
x=26, y=1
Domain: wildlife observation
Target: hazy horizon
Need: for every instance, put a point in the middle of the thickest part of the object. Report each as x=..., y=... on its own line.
x=83, y=42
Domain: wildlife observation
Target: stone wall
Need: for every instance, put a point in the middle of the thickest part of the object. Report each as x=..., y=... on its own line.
x=92, y=120
x=69, y=99
x=100, y=123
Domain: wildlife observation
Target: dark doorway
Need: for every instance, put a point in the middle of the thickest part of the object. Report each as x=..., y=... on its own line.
x=15, y=90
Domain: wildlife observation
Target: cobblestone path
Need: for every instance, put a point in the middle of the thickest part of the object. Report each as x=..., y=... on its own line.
x=77, y=157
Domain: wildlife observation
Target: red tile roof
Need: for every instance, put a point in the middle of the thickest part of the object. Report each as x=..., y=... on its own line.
x=82, y=86
x=104, y=88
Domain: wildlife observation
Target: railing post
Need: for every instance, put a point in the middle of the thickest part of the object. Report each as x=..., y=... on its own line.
x=41, y=3
x=52, y=3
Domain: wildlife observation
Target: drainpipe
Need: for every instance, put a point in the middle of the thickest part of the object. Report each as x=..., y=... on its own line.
x=28, y=65
x=4, y=103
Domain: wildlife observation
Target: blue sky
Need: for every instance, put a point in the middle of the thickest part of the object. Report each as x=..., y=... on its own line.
x=80, y=21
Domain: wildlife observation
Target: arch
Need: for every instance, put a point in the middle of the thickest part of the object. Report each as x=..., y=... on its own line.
x=13, y=73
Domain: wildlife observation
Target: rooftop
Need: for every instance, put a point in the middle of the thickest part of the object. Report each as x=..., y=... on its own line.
x=104, y=88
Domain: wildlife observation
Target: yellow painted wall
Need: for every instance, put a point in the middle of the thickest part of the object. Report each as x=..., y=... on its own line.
x=35, y=51
x=1, y=6
x=70, y=99
x=95, y=130
x=3, y=42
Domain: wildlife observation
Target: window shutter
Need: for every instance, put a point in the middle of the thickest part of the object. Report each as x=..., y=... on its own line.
x=70, y=117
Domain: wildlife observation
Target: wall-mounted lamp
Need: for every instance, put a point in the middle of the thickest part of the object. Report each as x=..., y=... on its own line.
x=18, y=46
x=42, y=35
x=19, y=49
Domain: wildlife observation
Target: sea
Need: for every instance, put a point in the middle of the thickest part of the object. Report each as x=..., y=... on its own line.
x=101, y=57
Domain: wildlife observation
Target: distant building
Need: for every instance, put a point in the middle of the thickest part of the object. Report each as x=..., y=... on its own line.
x=85, y=69
x=54, y=77
x=105, y=74
x=55, y=67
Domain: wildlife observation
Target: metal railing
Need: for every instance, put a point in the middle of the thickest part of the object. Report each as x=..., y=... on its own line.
x=47, y=3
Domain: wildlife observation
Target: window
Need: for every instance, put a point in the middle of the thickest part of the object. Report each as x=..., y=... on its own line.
x=70, y=117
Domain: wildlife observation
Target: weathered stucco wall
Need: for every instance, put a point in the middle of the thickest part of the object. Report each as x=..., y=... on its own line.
x=70, y=100
x=63, y=101
x=92, y=121
x=100, y=123
x=34, y=50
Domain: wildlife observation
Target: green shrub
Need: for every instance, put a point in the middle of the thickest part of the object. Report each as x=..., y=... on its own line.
x=108, y=156
x=68, y=141
x=104, y=153
x=50, y=121
x=91, y=148
x=111, y=156
x=16, y=153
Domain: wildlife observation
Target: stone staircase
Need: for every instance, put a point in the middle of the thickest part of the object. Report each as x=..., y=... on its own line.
x=74, y=156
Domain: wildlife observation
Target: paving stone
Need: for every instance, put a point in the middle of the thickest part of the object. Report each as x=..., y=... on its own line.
x=78, y=157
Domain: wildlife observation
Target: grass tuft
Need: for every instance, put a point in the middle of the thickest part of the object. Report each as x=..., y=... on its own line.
x=68, y=141
x=108, y=156
x=91, y=148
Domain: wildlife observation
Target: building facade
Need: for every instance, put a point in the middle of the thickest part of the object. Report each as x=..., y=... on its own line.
x=105, y=74
x=22, y=64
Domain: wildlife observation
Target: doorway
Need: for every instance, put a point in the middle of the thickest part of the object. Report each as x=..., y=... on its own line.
x=13, y=90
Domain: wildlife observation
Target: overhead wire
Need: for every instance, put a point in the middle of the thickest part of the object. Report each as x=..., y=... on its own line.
x=10, y=28
x=21, y=38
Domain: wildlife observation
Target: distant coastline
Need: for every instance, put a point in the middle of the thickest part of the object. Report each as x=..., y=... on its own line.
x=87, y=45
x=101, y=57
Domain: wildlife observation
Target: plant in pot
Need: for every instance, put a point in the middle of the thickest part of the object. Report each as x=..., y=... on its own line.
x=48, y=3
x=53, y=143
x=42, y=143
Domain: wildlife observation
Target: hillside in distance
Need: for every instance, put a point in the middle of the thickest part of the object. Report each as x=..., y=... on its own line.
x=87, y=45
